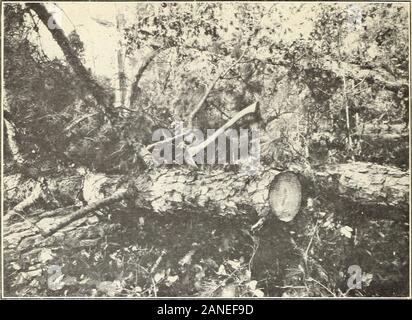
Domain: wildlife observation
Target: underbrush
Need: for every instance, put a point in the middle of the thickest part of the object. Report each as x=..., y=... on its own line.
x=324, y=252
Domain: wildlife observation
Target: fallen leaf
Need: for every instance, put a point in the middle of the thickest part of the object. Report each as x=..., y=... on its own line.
x=171, y=279
x=252, y=285
x=159, y=276
x=367, y=279
x=46, y=255
x=229, y=291
x=221, y=271
x=346, y=231
x=109, y=288
x=258, y=293
x=234, y=264
x=187, y=259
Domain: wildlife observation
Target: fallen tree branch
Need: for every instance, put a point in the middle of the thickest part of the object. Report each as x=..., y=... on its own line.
x=253, y=108
x=36, y=194
x=151, y=146
x=84, y=74
x=210, y=88
x=371, y=76
x=134, y=88
x=12, y=142
x=354, y=72
x=49, y=229
x=385, y=132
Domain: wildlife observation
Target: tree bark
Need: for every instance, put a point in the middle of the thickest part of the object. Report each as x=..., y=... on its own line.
x=222, y=192
x=171, y=189
x=367, y=184
x=121, y=59
x=12, y=143
x=135, y=90
x=31, y=237
x=387, y=132
x=84, y=74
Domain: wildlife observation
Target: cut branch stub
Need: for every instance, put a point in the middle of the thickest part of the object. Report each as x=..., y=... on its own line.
x=285, y=196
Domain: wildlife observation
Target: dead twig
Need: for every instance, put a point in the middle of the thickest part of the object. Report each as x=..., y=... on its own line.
x=305, y=255
x=322, y=285
x=49, y=230
x=156, y=264
x=76, y=122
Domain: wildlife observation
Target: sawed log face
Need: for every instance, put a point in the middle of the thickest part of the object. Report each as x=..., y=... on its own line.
x=172, y=190
x=168, y=190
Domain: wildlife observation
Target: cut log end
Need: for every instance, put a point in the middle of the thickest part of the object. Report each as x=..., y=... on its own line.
x=285, y=196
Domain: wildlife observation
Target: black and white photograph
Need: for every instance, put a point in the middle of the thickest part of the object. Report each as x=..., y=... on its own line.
x=201, y=149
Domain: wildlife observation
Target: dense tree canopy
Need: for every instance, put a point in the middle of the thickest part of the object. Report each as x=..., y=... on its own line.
x=337, y=70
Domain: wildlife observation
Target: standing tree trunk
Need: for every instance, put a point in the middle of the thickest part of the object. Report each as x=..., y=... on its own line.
x=121, y=58
x=99, y=93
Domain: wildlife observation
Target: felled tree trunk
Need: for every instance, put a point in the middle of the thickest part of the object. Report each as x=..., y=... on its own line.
x=215, y=192
x=220, y=192
x=170, y=191
x=226, y=193
x=31, y=237
x=367, y=184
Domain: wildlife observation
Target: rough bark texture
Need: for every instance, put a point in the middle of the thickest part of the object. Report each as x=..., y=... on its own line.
x=12, y=143
x=121, y=58
x=135, y=90
x=217, y=192
x=367, y=183
x=27, y=250
x=58, y=35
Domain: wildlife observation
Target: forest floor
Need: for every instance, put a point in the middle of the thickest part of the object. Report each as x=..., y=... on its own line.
x=195, y=255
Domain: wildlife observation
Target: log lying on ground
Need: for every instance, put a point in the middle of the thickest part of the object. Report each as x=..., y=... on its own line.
x=28, y=249
x=219, y=192
x=226, y=193
x=367, y=184
x=169, y=188
x=199, y=193
x=214, y=192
